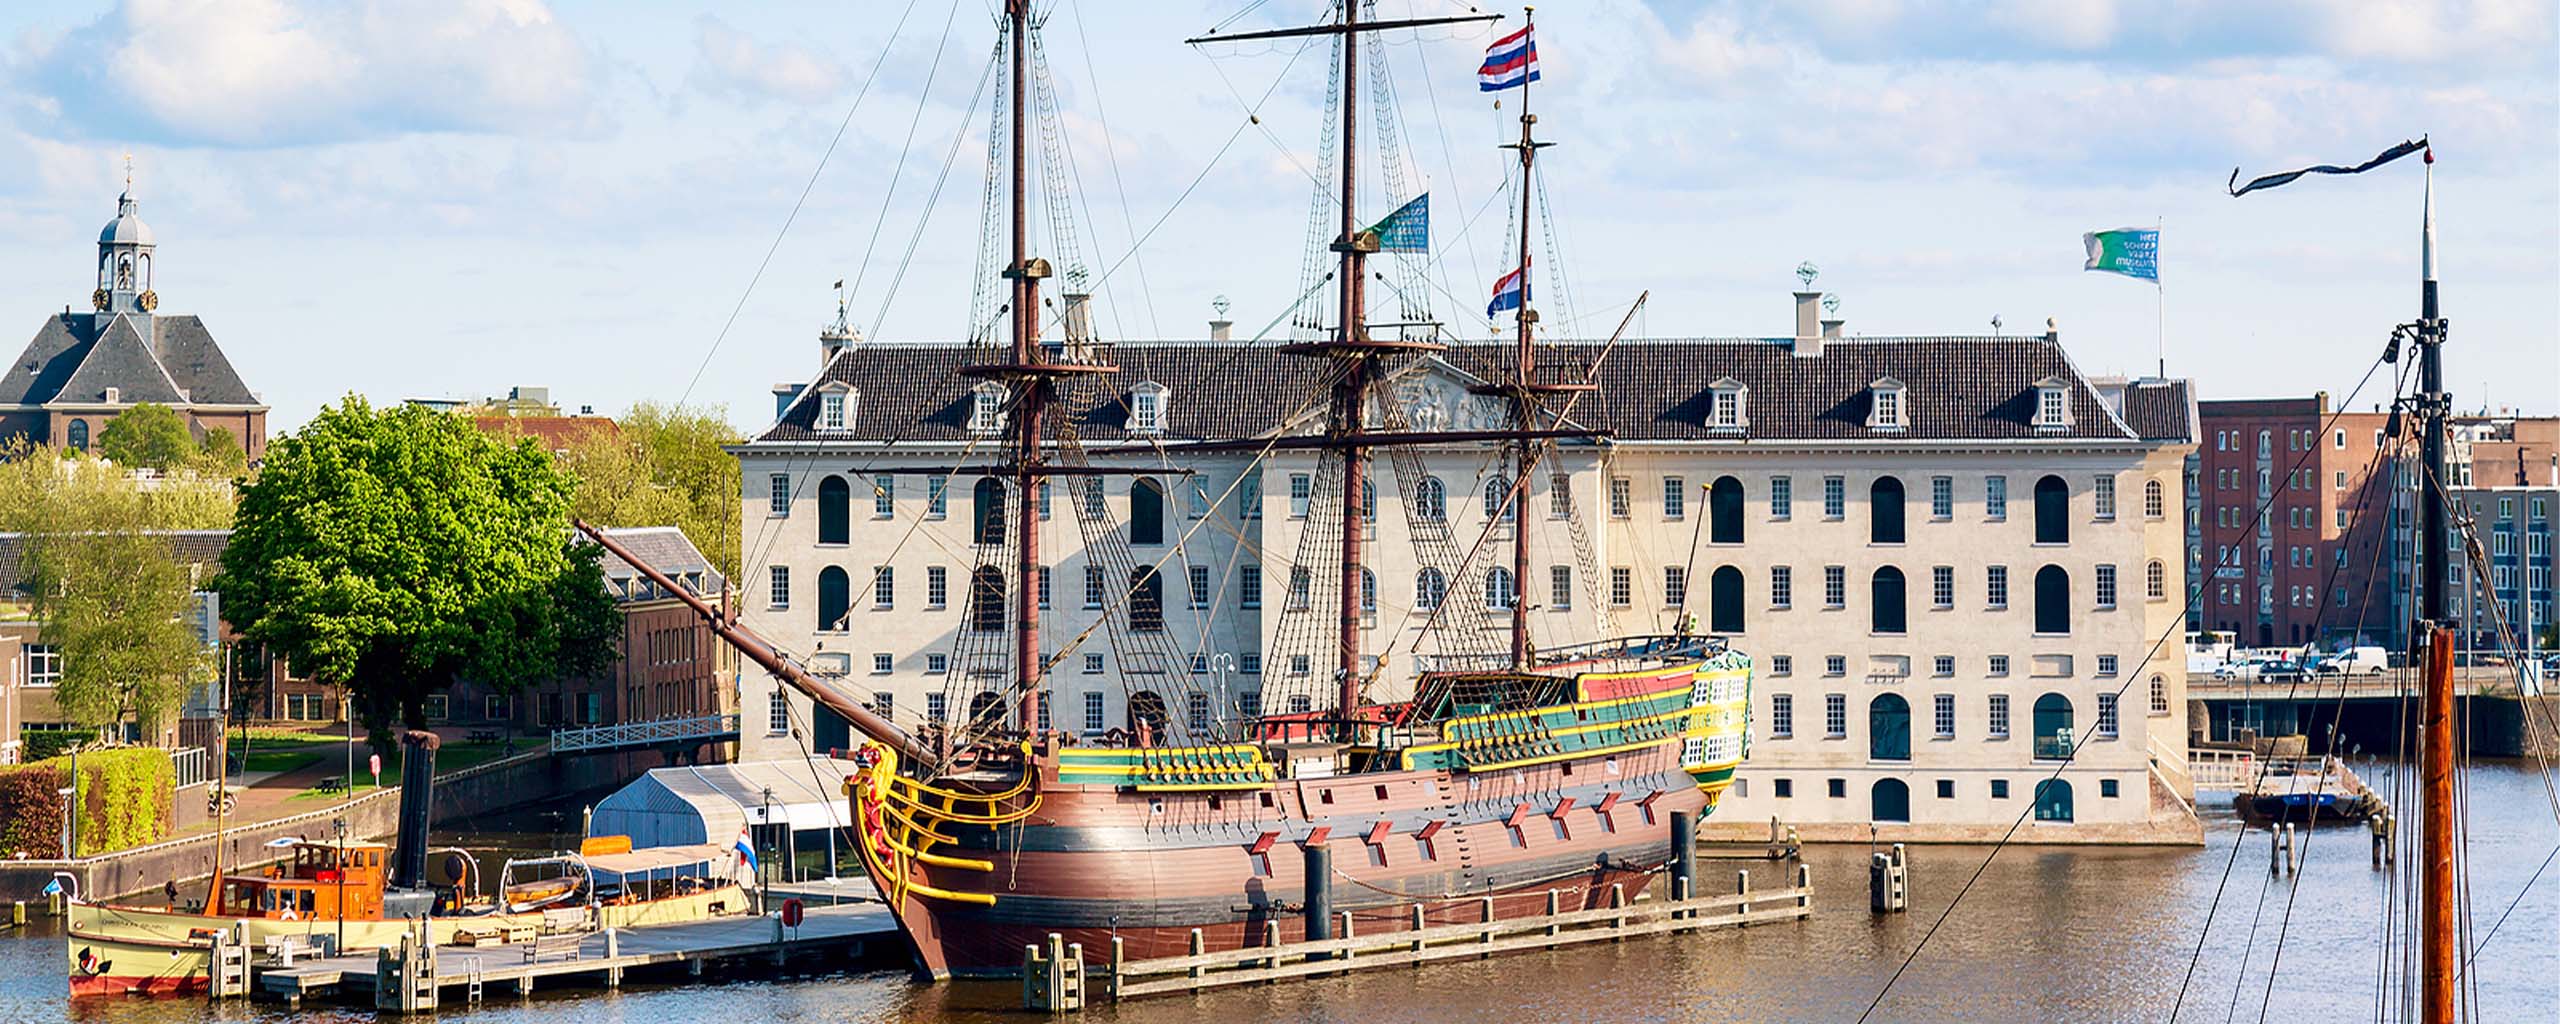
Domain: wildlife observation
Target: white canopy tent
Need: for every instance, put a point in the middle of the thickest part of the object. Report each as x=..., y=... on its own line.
x=713, y=803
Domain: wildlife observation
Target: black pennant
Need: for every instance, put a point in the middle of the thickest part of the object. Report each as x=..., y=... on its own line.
x=2273, y=180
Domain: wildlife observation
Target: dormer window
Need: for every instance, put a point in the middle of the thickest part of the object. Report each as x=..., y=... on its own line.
x=1888, y=408
x=1726, y=409
x=837, y=406
x=1146, y=408
x=986, y=408
x=2053, y=405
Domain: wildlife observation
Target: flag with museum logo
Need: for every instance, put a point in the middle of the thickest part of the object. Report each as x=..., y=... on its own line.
x=2132, y=252
x=1408, y=229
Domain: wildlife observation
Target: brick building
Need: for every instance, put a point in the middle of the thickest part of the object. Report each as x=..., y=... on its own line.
x=2317, y=566
x=83, y=369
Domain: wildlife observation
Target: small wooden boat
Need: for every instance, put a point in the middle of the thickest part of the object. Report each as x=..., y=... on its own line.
x=2306, y=791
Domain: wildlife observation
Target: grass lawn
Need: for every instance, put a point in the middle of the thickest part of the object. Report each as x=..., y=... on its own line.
x=453, y=756
x=268, y=734
x=283, y=760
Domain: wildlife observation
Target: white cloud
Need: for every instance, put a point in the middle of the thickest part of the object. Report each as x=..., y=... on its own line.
x=285, y=72
x=729, y=62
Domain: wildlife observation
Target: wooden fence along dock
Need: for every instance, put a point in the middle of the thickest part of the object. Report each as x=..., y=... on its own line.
x=414, y=977
x=1055, y=978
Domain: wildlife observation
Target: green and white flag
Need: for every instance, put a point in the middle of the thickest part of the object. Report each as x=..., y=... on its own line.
x=2133, y=252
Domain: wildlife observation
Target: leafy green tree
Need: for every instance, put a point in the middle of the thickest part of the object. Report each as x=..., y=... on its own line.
x=394, y=551
x=148, y=434
x=666, y=466
x=219, y=454
x=106, y=588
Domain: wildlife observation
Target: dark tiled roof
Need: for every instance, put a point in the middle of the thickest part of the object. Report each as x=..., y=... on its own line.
x=197, y=547
x=2161, y=410
x=1957, y=388
x=667, y=550
x=178, y=364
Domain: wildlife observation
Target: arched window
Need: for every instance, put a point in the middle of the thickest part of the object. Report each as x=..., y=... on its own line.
x=2159, y=696
x=77, y=435
x=1889, y=728
x=1890, y=802
x=986, y=599
x=1431, y=499
x=2053, y=600
x=1369, y=499
x=1724, y=595
x=1429, y=589
x=835, y=511
x=835, y=598
x=1147, y=711
x=1724, y=511
x=1146, y=512
x=2155, y=503
x=1498, y=589
x=986, y=511
x=1497, y=499
x=1146, y=600
x=2053, y=800
x=1368, y=591
x=1885, y=593
x=2053, y=727
x=2053, y=511
x=1884, y=511
x=2155, y=580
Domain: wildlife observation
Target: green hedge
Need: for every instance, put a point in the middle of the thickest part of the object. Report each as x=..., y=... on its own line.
x=124, y=800
x=38, y=744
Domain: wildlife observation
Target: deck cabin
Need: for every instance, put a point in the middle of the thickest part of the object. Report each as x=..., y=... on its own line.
x=318, y=881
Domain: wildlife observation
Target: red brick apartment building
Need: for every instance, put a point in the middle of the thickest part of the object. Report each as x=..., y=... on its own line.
x=2317, y=566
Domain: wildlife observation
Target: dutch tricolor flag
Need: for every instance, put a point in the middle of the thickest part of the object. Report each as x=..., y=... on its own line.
x=1510, y=292
x=746, y=851
x=1511, y=60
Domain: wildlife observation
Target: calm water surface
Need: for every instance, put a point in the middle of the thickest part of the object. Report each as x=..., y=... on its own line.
x=2046, y=935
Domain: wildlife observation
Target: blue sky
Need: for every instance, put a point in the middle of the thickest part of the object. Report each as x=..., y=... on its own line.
x=447, y=197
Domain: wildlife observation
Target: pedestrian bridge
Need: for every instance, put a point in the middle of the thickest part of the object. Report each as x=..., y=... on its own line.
x=659, y=732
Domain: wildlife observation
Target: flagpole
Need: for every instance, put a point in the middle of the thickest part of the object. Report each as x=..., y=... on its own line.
x=2159, y=301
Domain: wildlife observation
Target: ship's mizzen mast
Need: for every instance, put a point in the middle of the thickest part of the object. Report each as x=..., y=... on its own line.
x=2438, y=955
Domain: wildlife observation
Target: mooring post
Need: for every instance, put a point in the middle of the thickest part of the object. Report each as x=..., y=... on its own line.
x=613, y=957
x=1120, y=962
x=1345, y=932
x=1032, y=985
x=1271, y=941
x=1199, y=947
x=1555, y=905
x=1419, y=923
x=18, y=913
x=1742, y=888
x=1072, y=976
x=1618, y=901
x=1485, y=903
x=1319, y=913
x=1054, y=978
x=1804, y=886
x=2275, y=849
x=1684, y=849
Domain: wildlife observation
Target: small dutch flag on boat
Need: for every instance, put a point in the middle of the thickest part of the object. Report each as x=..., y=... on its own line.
x=746, y=850
x=1510, y=292
x=1511, y=61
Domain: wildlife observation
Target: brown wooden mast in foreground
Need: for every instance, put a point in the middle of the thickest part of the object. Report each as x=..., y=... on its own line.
x=2438, y=951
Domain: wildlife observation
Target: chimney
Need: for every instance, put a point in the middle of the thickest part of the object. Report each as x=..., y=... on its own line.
x=1831, y=328
x=1221, y=328
x=586, y=410
x=2052, y=330
x=1808, y=323
x=783, y=393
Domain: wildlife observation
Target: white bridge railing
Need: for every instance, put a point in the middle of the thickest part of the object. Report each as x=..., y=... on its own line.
x=641, y=734
x=2232, y=770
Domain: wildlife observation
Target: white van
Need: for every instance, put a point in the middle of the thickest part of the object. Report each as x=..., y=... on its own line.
x=2356, y=661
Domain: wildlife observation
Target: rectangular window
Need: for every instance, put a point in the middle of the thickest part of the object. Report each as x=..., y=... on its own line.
x=1093, y=663
x=1997, y=666
x=937, y=664
x=1995, y=587
x=1199, y=664
x=1942, y=716
x=1093, y=712
x=2106, y=664
x=1782, y=665
x=1044, y=586
x=884, y=496
x=1782, y=498
x=1998, y=725
x=831, y=411
x=1835, y=665
x=1835, y=715
x=883, y=663
x=1942, y=497
x=778, y=495
x=937, y=497
x=1943, y=665
x=1675, y=585
x=1782, y=716
x=1559, y=496
x=2107, y=716
x=1622, y=586
x=1093, y=592
x=884, y=587
x=777, y=713
x=1675, y=497
x=1249, y=586
x=1302, y=489
x=1835, y=586
x=937, y=586
x=780, y=591
x=1783, y=787
x=1995, y=498
x=1782, y=586
x=1199, y=575
x=936, y=707
x=2105, y=493
x=1942, y=586
x=1946, y=789
x=1559, y=587
x=1999, y=789
x=1249, y=496
x=1250, y=664
x=2106, y=587
x=1621, y=497
x=1835, y=497
x=44, y=665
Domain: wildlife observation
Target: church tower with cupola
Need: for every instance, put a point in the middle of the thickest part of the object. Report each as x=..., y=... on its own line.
x=124, y=261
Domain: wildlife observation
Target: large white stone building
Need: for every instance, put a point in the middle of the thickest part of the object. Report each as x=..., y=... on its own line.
x=1953, y=559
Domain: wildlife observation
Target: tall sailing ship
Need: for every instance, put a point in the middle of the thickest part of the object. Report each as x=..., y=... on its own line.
x=1508, y=772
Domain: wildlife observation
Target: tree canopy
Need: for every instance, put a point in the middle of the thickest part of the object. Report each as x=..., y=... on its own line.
x=148, y=434
x=105, y=584
x=393, y=551
x=665, y=467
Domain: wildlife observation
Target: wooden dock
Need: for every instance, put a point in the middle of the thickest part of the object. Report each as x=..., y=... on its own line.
x=463, y=975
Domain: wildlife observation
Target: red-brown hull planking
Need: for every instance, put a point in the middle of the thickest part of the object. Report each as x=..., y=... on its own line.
x=1096, y=861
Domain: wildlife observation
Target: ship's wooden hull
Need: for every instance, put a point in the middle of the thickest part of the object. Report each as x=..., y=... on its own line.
x=113, y=950
x=1098, y=862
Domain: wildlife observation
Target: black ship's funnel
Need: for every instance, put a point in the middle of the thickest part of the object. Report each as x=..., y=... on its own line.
x=417, y=798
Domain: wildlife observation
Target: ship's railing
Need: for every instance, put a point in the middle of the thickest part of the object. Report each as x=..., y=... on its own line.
x=640, y=734
x=1666, y=647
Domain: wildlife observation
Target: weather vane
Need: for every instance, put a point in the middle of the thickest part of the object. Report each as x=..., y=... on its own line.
x=1220, y=305
x=1831, y=304
x=1806, y=272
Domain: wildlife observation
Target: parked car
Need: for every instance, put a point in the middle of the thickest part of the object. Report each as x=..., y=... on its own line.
x=2354, y=661
x=2283, y=669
